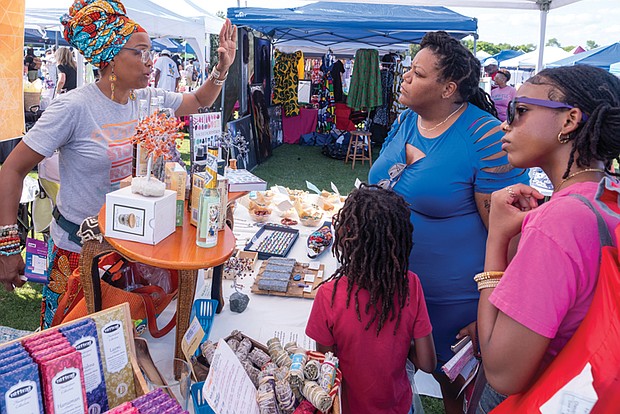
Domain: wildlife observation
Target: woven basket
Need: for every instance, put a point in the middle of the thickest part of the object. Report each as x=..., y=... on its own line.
x=31, y=99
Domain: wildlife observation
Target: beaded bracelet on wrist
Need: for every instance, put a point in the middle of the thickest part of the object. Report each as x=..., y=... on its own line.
x=9, y=230
x=489, y=283
x=6, y=243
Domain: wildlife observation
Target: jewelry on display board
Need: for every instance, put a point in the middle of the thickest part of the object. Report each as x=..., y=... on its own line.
x=441, y=123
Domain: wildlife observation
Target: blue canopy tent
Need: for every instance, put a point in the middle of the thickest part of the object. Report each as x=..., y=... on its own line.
x=376, y=25
x=601, y=57
x=506, y=54
x=45, y=37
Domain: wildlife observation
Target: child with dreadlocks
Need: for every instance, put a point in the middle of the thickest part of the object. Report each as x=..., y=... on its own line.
x=371, y=312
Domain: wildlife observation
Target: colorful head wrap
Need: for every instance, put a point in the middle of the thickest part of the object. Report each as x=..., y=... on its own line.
x=98, y=29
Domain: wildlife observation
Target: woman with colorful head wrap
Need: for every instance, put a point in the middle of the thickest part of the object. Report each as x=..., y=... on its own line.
x=91, y=127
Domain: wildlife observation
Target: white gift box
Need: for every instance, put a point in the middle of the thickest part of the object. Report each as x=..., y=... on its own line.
x=138, y=218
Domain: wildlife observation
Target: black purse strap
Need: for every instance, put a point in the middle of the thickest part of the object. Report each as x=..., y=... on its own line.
x=603, y=231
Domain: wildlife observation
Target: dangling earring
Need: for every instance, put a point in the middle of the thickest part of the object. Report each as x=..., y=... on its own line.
x=132, y=95
x=112, y=79
x=563, y=139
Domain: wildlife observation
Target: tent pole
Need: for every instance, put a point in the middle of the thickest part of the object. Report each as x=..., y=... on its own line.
x=544, y=9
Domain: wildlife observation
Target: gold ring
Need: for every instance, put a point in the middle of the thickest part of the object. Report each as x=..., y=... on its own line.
x=511, y=192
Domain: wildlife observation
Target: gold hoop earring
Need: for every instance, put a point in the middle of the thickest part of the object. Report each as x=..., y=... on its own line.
x=112, y=79
x=563, y=139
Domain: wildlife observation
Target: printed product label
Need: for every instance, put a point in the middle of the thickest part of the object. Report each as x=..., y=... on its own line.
x=22, y=398
x=114, y=346
x=67, y=392
x=90, y=360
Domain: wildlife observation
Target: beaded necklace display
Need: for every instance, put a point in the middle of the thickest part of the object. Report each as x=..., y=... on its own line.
x=576, y=174
x=441, y=123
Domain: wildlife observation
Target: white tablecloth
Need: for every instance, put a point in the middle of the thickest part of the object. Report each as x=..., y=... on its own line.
x=264, y=313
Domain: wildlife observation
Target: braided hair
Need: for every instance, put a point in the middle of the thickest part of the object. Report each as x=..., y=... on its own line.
x=597, y=93
x=459, y=65
x=372, y=246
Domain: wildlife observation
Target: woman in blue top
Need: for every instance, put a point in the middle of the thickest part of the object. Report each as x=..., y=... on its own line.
x=444, y=157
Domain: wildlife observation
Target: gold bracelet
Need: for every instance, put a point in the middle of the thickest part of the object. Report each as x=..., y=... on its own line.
x=488, y=275
x=489, y=283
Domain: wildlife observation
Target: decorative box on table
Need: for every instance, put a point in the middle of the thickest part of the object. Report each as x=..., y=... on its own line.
x=138, y=218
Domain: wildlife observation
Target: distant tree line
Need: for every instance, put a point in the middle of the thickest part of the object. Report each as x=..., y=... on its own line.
x=493, y=48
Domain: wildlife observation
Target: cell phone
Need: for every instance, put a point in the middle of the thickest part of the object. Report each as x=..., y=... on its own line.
x=456, y=347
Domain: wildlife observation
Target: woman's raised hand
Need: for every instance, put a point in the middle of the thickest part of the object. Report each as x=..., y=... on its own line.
x=509, y=207
x=228, y=45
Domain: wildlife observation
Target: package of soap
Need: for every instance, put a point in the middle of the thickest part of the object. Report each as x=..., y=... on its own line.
x=114, y=350
x=62, y=380
x=52, y=352
x=20, y=390
x=83, y=337
x=51, y=343
x=41, y=338
x=11, y=360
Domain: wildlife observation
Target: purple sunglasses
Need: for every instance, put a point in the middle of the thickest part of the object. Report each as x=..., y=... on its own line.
x=511, y=111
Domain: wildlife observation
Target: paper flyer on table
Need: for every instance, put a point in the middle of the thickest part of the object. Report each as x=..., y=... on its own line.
x=228, y=389
x=287, y=335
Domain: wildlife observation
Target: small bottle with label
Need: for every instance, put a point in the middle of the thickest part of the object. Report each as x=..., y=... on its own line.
x=207, y=224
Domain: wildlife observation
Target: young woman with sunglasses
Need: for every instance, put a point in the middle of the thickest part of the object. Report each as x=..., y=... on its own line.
x=567, y=121
x=444, y=157
x=91, y=127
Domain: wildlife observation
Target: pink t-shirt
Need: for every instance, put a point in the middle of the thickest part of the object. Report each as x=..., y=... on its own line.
x=549, y=285
x=373, y=367
x=502, y=97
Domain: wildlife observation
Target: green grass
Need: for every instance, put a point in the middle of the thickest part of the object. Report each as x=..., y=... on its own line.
x=292, y=165
x=21, y=309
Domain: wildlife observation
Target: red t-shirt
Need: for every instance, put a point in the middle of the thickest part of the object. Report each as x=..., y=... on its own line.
x=373, y=367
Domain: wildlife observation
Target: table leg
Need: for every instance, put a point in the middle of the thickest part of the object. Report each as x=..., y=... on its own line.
x=187, y=289
x=216, y=288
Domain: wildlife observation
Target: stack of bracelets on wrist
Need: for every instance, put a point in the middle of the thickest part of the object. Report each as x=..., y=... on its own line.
x=488, y=279
x=9, y=240
x=215, y=77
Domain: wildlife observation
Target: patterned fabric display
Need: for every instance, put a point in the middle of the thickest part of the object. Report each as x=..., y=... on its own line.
x=397, y=107
x=286, y=79
x=327, y=105
x=387, y=85
x=365, y=91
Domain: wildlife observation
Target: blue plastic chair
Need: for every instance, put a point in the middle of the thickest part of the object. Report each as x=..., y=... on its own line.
x=200, y=404
x=204, y=310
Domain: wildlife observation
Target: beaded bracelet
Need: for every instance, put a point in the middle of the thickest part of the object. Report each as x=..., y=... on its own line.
x=8, y=230
x=489, y=283
x=496, y=275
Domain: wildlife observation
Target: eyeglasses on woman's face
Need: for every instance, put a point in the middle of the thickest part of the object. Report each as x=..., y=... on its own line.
x=145, y=54
x=395, y=172
x=513, y=110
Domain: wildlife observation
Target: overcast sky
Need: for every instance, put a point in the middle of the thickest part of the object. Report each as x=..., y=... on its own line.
x=572, y=25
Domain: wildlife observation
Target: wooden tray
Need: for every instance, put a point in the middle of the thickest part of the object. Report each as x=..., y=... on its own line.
x=294, y=291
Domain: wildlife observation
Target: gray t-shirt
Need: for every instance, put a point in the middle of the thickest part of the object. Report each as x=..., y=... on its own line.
x=92, y=135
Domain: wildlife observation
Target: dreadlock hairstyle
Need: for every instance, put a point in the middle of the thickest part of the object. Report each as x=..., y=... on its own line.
x=597, y=93
x=372, y=246
x=459, y=65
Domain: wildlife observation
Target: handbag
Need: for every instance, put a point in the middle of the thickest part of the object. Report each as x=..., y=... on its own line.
x=584, y=376
x=108, y=281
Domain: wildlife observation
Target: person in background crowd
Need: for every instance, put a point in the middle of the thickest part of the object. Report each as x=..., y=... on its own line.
x=91, y=127
x=166, y=72
x=32, y=64
x=444, y=157
x=566, y=120
x=67, y=70
x=371, y=313
x=51, y=67
x=503, y=94
x=491, y=67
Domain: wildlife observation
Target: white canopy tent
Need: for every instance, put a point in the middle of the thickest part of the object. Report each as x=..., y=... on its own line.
x=544, y=6
x=529, y=60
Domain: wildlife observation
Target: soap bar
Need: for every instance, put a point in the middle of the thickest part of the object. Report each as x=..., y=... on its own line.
x=20, y=390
